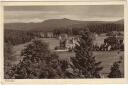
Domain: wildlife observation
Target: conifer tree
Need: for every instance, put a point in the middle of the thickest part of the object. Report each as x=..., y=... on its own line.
x=115, y=71
x=37, y=63
x=84, y=60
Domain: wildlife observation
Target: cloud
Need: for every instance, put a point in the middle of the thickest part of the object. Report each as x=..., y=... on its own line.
x=83, y=12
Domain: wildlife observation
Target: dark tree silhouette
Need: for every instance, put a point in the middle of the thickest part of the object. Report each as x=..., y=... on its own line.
x=84, y=60
x=115, y=71
x=38, y=62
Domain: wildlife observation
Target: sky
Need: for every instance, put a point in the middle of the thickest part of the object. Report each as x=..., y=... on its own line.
x=75, y=12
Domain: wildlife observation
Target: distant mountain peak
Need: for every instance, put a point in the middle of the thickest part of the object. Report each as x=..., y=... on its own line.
x=66, y=19
x=56, y=19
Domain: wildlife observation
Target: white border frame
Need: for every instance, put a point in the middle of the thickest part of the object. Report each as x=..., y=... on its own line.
x=64, y=81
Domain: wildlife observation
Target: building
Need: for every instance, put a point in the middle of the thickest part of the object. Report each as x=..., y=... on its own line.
x=63, y=36
x=46, y=35
x=42, y=35
x=71, y=42
x=50, y=35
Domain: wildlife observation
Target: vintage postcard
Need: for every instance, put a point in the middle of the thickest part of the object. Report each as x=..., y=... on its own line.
x=63, y=42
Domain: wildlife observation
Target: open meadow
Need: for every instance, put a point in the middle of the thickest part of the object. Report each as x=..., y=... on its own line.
x=106, y=57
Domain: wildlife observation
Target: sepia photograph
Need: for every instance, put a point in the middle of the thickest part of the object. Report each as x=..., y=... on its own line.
x=64, y=42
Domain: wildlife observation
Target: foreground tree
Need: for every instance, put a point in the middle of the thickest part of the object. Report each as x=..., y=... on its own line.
x=85, y=61
x=8, y=58
x=38, y=62
x=115, y=71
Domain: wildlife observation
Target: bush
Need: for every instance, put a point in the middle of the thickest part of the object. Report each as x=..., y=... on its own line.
x=115, y=71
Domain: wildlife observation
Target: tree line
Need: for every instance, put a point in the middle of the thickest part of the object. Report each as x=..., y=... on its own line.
x=16, y=37
x=19, y=36
x=94, y=28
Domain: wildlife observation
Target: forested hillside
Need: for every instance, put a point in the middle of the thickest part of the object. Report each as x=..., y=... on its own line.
x=61, y=24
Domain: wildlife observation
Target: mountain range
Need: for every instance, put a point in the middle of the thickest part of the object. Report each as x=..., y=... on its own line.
x=51, y=24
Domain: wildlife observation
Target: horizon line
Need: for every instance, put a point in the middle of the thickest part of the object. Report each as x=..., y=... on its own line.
x=67, y=19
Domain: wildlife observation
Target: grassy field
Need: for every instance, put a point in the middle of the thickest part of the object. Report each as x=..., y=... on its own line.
x=107, y=58
x=53, y=42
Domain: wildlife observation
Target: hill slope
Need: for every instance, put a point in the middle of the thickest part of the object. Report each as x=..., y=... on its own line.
x=51, y=24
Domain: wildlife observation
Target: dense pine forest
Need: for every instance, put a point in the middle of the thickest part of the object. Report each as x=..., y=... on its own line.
x=94, y=28
x=16, y=37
